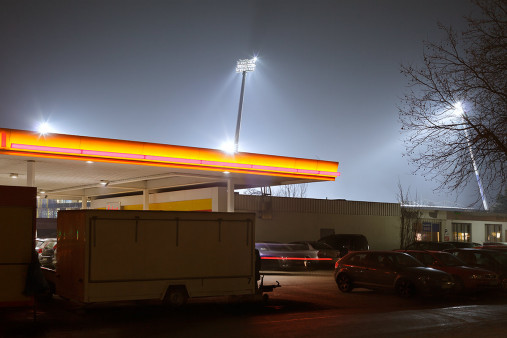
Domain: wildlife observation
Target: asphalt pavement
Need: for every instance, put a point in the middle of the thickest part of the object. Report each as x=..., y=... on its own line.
x=306, y=304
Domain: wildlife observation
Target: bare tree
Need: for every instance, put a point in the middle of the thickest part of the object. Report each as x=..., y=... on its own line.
x=410, y=218
x=261, y=191
x=500, y=204
x=468, y=67
x=292, y=190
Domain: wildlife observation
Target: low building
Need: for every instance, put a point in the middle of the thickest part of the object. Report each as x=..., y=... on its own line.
x=285, y=219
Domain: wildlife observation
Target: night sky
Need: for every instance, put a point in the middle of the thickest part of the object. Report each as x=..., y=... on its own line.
x=327, y=82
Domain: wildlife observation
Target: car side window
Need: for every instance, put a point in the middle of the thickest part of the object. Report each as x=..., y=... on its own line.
x=382, y=261
x=468, y=257
x=484, y=260
x=427, y=259
x=358, y=259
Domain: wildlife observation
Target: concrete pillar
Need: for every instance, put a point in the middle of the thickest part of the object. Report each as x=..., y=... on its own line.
x=84, y=202
x=230, y=196
x=146, y=199
x=30, y=173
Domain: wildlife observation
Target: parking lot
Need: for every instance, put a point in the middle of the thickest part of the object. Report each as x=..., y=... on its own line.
x=308, y=303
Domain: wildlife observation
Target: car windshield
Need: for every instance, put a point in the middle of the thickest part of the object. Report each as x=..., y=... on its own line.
x=500, y=257
x=321, y=246
x=406, y=261
x=297, y=246
x=447, y=259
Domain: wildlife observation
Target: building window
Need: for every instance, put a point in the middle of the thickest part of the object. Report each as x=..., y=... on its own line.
x=461, y=232
x=493, y=233
x=429, y=231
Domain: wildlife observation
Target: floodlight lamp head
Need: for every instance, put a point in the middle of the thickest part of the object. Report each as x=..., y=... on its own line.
x=246, y=65
x=458, y=108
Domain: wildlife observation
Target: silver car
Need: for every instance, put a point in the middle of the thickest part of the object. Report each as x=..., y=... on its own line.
x=327, y=256
x=47, y=253
x=284, y=256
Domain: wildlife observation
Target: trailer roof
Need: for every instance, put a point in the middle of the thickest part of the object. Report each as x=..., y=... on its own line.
x=69, y=166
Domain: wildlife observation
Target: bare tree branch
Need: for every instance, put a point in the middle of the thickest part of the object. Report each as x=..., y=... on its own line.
x=469, y=67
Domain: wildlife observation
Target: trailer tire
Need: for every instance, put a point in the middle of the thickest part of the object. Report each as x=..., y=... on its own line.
x=176, y=296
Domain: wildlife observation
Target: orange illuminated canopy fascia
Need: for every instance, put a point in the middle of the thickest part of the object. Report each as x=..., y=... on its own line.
x=27, y=143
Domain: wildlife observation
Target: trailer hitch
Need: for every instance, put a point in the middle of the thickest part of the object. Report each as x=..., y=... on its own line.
x=268, y=288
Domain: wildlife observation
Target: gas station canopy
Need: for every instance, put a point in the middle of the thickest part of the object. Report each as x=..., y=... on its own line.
x=69, y=166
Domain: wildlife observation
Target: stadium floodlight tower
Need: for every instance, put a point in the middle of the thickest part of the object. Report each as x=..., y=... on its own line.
x=461, y=113
x=243, y=66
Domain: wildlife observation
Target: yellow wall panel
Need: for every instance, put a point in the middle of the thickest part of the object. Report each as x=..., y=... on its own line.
x=191, y=205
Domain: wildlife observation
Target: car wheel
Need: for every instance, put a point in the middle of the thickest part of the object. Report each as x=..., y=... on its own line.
x=308, y=264
x=176, y=296
x=405, y=288
x=344, y=283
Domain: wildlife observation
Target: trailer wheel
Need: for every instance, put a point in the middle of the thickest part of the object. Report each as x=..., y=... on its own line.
x=176, y=296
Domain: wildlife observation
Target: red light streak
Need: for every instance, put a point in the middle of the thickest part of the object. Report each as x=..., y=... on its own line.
x=298, y=258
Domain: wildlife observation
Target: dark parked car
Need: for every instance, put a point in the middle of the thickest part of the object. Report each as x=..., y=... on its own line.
x=282, y=256
x=326, y=254
x=465, y=244
x=466, y=278
x=439, y=246
x=426, y=245
x=346, y=242
x=492, y=260
x=495, y=244
x=390, y=270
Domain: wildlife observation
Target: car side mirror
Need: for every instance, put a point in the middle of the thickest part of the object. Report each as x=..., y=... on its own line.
x=343, y=252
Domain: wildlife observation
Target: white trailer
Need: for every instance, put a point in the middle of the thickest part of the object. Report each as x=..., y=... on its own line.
x=105, y=255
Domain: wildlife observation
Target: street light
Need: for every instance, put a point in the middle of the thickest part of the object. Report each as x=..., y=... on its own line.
x=243, y=66
x=459, y=109
x=44, y=128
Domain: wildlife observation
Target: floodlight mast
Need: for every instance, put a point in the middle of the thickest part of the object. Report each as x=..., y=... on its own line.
x=461, y=111
x=243, y=66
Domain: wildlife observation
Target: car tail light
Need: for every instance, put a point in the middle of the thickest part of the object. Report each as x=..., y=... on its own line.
x=40, y=250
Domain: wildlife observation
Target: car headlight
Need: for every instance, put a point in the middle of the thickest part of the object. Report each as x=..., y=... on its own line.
x=447, y=279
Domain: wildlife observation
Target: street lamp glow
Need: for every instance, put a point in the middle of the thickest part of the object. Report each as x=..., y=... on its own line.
x=458, y=109
x=44, y=128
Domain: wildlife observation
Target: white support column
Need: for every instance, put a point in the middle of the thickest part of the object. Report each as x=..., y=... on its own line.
x=146, y=199
x=30, y=173
x=230, y=196
x=84, y=202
